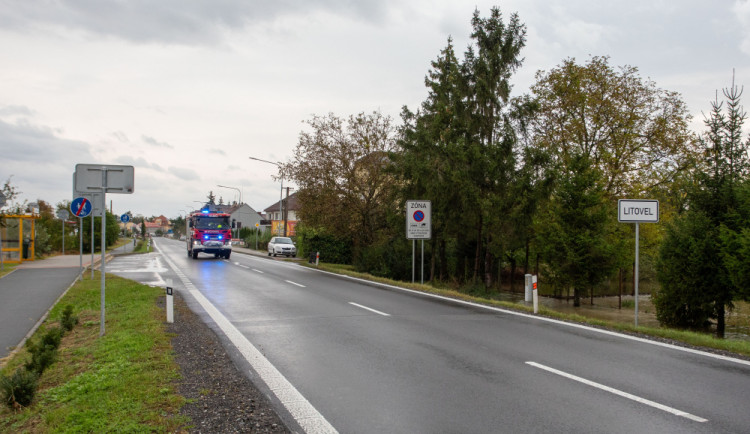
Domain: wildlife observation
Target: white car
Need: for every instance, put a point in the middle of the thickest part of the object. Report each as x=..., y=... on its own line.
x=281, y=246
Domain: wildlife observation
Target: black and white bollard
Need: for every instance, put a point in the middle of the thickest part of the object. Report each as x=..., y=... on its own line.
x=170, y=304
x=535, y=294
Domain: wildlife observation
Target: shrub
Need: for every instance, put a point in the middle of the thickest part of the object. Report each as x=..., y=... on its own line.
x=334, y=250
x=68, y=320
x=44, y=353
x=19, y=388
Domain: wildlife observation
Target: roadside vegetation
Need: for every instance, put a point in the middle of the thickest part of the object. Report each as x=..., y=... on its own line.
x=123, y=381
x=530, y=184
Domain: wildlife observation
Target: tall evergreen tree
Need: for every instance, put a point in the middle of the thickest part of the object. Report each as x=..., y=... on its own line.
x=717, y=211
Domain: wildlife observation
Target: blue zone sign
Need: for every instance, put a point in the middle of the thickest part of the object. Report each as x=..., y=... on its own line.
x=80, y=207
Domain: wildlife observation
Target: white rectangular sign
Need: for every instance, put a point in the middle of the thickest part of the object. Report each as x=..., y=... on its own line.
x=96, y=199
x=637, y=211
x=90, y=178
x=418, y=220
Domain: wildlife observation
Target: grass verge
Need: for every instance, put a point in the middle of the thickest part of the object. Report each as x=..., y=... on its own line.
x=123, y=381
x=695, y=339
x=7, y=268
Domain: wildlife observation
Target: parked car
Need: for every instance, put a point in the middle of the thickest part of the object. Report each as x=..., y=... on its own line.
x=281, y=246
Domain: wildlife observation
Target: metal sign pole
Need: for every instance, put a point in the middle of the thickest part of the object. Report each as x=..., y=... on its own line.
x=104, y=243
x=422, y=282
x=80, y=248
x=637, y=229
x=63, y=236
x=92, y=247
x=413, y=246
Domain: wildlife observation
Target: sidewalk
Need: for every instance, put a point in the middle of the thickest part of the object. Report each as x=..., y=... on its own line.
x=29, y=292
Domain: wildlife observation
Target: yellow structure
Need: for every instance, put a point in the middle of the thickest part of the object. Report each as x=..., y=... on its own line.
x=18, y=235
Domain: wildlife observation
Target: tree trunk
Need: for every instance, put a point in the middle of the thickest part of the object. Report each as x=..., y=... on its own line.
x=443, y=261
x=576, y=297
x=619, y=284
x=433, y=244
x=512, y=273
x=720, y=320
x=488, y=260
x=477, y=255
x=526, y=258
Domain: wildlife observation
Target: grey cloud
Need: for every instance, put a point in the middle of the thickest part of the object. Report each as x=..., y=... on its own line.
x=196, y=22
x=153, y=142
x=120, y=136
x=217, y=151
x=24, y=141
x=184, y=174
x=139, y=162
x=15, y=110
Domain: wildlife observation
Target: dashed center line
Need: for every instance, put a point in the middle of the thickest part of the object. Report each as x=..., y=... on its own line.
x=257, y=271
x=295, y=283
x=370, y=309
x=619, y=393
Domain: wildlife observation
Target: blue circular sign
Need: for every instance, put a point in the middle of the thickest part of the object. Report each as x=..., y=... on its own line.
x=80, y=207
x=418, y=216
x=124, y=218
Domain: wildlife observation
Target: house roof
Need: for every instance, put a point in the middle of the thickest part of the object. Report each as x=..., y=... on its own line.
x=291, y=201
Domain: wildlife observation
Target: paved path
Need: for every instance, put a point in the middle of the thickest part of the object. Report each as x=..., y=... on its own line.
x=27, y=294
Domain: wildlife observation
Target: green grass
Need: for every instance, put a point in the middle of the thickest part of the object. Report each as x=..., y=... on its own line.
x=687, y=337
x=123, y=381
x=7, y=268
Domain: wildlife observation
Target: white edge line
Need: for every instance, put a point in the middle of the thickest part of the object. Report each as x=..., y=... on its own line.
x=295, y=283
x=542, y=318
x=370, y=309
x=297, y=405
x=617, y=392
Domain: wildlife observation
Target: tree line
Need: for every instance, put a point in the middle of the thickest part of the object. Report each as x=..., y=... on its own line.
x=530, y=183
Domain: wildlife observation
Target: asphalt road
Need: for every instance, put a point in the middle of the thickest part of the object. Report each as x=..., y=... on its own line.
x=370, y=359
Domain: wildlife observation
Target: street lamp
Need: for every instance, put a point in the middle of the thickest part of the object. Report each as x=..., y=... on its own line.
x=233, y=188
x=281, y=192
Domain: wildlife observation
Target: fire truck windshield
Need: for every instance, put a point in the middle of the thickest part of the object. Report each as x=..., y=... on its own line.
x=212, y=223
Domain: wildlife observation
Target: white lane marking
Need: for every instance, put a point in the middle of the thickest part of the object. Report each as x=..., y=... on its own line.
x=298, y=406
x=619, y=393
x=541, y=318
x=257, y=271
x=370, y=309
x=242, y=266
x=295, y=283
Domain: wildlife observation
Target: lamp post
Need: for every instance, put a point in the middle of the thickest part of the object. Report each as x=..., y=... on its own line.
x=240, y=193
x=233, y=188
x=281, y=192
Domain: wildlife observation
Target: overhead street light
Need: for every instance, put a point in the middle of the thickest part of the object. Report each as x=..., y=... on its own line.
x=233, y=188
x=281, y=192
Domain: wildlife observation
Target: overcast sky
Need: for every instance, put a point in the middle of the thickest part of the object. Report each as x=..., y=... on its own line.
x=186, y=90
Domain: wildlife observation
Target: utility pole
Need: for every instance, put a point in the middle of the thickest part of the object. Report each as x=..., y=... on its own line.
x=286, y=209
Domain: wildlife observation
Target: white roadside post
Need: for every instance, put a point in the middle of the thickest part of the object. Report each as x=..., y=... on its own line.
x=170, y=302
x=535, y=294
x=637, y=211
x=418, y=227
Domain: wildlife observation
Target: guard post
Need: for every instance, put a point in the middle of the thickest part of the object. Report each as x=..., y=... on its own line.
x=535, y=294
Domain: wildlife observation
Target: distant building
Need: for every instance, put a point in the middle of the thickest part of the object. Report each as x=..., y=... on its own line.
x=290, y=208
x=243, y=214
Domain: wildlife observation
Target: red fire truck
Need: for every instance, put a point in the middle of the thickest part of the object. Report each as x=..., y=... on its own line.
x=209, y=232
